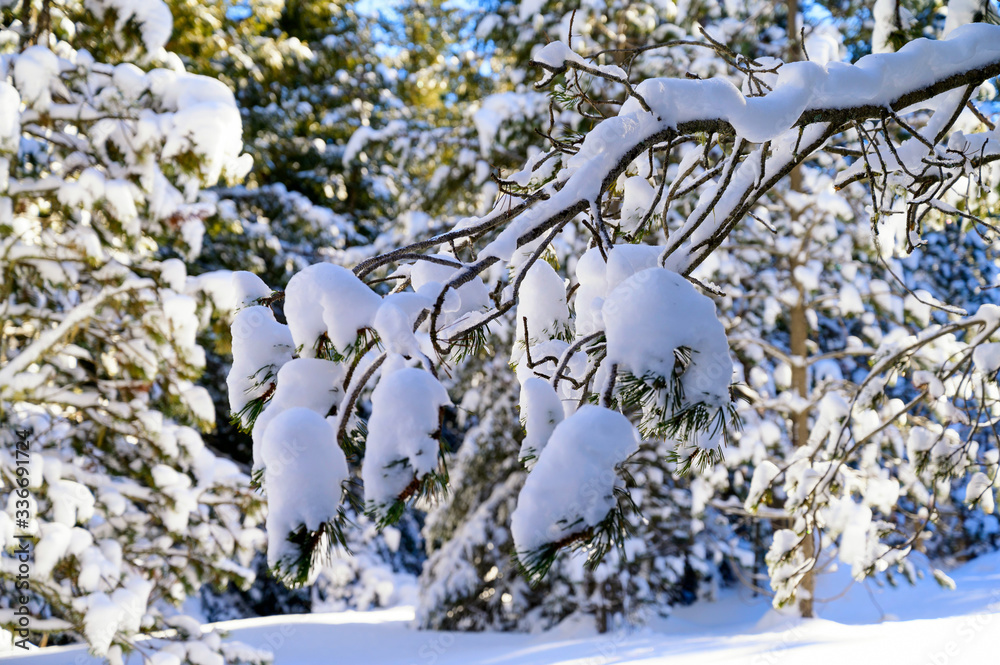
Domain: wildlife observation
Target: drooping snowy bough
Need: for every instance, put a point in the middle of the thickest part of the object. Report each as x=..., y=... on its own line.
x=627, y=346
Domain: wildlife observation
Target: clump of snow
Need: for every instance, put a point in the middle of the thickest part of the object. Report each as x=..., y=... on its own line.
x=72, y=502
x=34, y=70
x=785, y=565
x=205, y=120
x=555, y=55
x=325, y=298
x=653, y=313
x=86, y=190
x=248, y=288
x=528, y=9
x=859, y=544
x=51, y=547
x=542, y=303
x=121, y=612
x=310, y=383
x=173, y=273
x=541, y=411
x=304, y=471
x=10, y=119
x=402, y=443
x=153, y=16
x=261, y=346
x=986, y=357
x=217, y=285
x=889, y=16
x=763, y=476
x=636, y=202
x=130, y=80
x=850, y=301
x=824, y=44
x=395, y=319
x=960, y=12
x=597, y=278
x=428, y=279
x=180, y=311
x=572, y=485
x=199, y=400
x=980, y=489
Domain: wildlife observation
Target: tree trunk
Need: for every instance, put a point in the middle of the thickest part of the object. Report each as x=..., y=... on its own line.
x=799, y=334
x=798, y=327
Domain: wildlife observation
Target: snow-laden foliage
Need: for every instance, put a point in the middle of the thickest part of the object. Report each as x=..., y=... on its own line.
x=577, y=465
x=741, y=286
x=102, y=165
x=684, y=167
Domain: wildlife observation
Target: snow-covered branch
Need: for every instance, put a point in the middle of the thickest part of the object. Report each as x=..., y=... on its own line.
x=617, y=342
x=75, y=317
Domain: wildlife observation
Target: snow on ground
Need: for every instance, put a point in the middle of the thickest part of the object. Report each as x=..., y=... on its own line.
x=918, y=625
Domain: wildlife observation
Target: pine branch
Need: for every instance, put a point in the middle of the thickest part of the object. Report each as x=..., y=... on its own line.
x=312, y=548
x=596, y=541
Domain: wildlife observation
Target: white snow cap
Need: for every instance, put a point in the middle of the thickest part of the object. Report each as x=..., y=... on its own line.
x=889, y=16
x=34, y=70
x=960, y=12
x=121, y=612
x=542, y=301
x=429, y=278
x=541, y=411
x=261, y=346
x=304, y=469
x=557, y=54
x=394, y=322
x=572, y=485
x=986, y=357
x=597, y=278
x=10, y=118
x=153, y=16
x=205, y=121
x=311, y=383
x=980, y=488
x=763, y=476
x=331, y=299
x=405, y=413
x=248, y=288
x=656, y=311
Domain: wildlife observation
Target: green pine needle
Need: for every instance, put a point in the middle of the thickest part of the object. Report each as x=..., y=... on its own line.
x=257, y=480
x=430, y=487
x=595, y=540
x=470, y=344
x=313, y=548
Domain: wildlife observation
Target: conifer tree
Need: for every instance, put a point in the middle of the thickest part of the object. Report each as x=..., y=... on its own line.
x=105, y=471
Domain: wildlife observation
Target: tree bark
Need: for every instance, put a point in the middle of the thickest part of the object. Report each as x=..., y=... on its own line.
x=798, y=328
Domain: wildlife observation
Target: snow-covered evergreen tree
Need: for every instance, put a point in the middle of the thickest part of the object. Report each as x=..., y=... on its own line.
x=103, y=162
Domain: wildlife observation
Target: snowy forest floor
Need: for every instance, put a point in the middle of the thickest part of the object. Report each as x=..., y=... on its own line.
x=921, y=624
